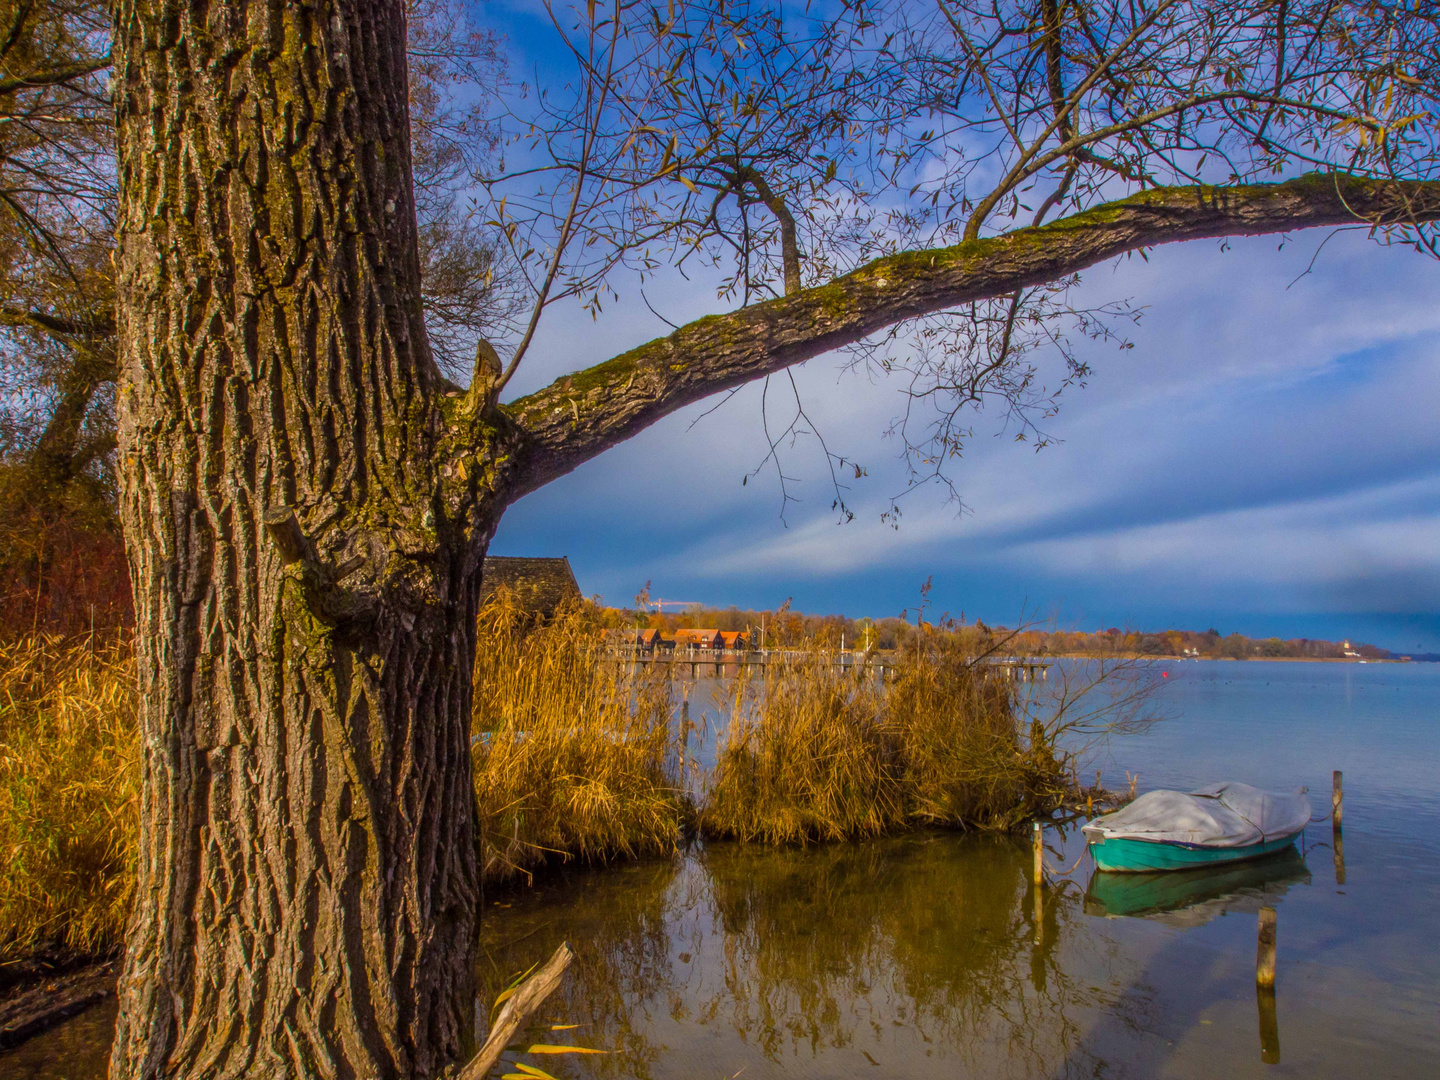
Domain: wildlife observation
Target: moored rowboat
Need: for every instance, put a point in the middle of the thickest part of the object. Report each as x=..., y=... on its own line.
x=1177, y=830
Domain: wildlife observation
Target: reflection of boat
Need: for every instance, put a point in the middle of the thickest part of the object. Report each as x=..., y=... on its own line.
x=1175, y=830
x=1190, y=898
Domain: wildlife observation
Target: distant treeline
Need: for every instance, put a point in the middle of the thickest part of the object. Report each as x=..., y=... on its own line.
x=788, y=627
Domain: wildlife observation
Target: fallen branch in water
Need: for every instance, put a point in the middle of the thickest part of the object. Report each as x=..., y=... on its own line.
x=523, y=1003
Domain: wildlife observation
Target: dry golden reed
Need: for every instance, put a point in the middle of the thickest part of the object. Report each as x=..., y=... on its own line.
x=806, y=756
x=69, y=777
x=576, y=754
x=812, y=752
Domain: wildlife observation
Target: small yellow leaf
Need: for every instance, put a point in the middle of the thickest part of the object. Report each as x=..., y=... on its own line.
x=547, y=1048
x=689, y=184
x=563, y=1027
x=531, y=1070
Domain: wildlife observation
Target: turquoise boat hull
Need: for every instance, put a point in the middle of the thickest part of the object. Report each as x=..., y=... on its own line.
x=1141, y=856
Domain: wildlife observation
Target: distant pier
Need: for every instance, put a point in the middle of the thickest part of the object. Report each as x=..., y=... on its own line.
x=720, y=663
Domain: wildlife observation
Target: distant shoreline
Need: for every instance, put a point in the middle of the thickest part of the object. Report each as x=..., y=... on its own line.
x=1231, y=659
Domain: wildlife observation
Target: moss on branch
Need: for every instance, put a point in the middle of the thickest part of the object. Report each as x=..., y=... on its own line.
x=583, y=414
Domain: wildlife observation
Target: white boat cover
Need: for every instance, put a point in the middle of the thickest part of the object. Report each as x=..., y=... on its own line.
x=1221, y=815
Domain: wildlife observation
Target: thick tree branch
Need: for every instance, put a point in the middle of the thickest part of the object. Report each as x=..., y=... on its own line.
x=62, y=73
x=583, y=414
x=100, y=326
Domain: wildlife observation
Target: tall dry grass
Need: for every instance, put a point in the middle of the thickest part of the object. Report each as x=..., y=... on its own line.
x=970, y=754
x=811, y=753
x=576, y=755
x=807, y=755
x=69, y=778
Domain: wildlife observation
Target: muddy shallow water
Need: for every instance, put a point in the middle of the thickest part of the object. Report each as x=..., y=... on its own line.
x=927, y=954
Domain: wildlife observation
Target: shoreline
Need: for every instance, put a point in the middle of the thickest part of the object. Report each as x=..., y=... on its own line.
x=1226, y=659
x=38, y=993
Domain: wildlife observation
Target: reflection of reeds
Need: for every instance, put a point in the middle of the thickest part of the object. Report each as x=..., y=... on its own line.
x=815, y=753
x=901, y=947
x=573, y=756
x=69, y=773
x=617, y=925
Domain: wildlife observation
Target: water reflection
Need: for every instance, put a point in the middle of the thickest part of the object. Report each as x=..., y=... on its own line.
x=1269, y=1025
x=1187, y=899
x=903, y=953
x=79, y=1049
x=1191, y=898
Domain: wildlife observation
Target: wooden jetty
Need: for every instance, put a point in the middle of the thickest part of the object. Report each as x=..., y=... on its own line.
x=721, y=663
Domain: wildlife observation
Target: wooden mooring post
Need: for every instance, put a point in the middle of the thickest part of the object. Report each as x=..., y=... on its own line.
x=1337, y=837
x=1265, y=987
x=1038, y=876
x=1265, y=949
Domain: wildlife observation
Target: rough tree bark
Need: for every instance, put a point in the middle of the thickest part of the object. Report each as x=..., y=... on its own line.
x=307, y=505
x=307, y=867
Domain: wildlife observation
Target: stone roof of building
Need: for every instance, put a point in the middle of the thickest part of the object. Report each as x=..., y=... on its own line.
x=541, y=585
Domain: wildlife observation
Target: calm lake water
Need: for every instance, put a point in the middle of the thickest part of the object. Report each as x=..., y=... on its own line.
x=926, y=954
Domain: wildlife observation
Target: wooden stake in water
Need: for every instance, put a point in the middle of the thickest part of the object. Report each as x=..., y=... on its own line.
x=1337, y=797
x=1265, y=949
x=1039, y=845
x=1265, y=988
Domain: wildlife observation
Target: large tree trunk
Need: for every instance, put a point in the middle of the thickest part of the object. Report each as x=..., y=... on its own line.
x=305, y=567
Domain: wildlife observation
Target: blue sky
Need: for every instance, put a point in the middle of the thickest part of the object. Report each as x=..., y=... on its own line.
x=1264, y=460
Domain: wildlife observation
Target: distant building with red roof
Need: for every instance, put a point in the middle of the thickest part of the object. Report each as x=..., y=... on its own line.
x=698, y=639
x=643, y=638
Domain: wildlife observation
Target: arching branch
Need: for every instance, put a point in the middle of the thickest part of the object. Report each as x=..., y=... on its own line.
x=583, y=414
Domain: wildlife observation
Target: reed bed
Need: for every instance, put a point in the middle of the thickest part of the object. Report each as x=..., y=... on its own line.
x=69, y=779
x=807, y=755
x=575, y=755
x=811, y=753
